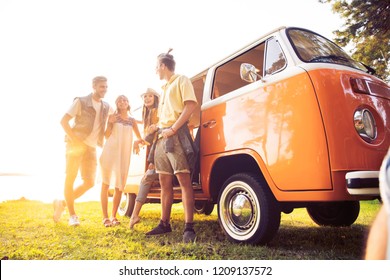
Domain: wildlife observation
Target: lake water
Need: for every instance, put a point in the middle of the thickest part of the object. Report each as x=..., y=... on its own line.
x=48, y=186
x=39, y=187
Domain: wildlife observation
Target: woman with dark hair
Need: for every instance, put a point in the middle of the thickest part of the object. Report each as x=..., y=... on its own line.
x=150, y=119
x=115, y=157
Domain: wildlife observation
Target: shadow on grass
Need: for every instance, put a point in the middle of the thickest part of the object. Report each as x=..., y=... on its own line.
x=292, y=242
x=321, y=242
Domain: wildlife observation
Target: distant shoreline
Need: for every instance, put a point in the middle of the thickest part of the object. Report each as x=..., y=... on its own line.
x=13, y=174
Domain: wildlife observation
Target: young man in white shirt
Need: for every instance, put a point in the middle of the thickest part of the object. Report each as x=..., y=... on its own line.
x=90, y=115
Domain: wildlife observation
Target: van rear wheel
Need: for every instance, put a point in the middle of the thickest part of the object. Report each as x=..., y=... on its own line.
x=204, y=207
x=336, y=214
x=247, y=210
x=126, y=206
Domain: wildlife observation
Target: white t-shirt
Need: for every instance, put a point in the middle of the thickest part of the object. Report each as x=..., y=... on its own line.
x=75, y=110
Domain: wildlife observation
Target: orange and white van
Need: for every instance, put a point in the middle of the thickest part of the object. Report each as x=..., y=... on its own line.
x=288, y=121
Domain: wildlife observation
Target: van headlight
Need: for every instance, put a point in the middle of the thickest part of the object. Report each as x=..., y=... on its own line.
x=365, y=124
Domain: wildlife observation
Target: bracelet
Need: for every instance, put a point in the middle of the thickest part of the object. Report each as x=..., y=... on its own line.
x=173, y=130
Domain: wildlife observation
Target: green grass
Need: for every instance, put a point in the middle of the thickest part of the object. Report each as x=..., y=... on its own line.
x=27, y=232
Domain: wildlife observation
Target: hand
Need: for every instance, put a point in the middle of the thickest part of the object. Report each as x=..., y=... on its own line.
x=112, y=118
x=139, y=142
x=136, y=145
x=136, y=148
x=167, y=132
x=152, y=128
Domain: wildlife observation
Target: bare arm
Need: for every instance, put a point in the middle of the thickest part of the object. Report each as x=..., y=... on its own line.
x=189, y=107
x=139, y=141
x=136, y=130
x=68, y=130
x=110, y=123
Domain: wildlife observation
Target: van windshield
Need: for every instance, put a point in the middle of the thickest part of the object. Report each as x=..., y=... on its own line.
x=311, y=47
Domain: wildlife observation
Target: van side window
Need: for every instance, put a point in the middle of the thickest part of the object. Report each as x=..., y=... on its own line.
x=198, y=85
x=227, y=76
x=275, y=59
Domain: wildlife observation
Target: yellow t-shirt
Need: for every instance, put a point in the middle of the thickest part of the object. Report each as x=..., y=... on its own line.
x=178, y=90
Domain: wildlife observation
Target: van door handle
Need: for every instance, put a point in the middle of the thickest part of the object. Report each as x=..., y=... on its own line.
x=209, y=124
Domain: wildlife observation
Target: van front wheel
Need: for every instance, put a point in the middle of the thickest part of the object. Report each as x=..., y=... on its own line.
x=247, y=210
x=126, y=206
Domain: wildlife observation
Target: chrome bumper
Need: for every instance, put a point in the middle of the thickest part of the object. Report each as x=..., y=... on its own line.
x=363, y=182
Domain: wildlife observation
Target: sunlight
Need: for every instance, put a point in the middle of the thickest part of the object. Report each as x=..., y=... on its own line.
x=44, y=66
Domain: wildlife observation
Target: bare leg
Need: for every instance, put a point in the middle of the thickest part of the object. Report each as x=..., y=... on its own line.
x=134, y=219
x=116, y=202
x=80, y=190
x=69, y=193
x=187, y=196
x=166, y=196
x=104, y=200
x=77, y=157
x=189, y=234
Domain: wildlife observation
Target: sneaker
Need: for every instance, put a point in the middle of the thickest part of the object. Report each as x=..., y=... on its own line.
x=74, y=220
x=189, y=235
x=59, y=208
x=160, y=229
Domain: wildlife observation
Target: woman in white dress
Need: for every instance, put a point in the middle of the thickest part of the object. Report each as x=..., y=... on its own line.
x=115, y=157
x=150, y=120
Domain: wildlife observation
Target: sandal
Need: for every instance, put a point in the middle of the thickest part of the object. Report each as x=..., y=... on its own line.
x=107, y=222
x=115, y=222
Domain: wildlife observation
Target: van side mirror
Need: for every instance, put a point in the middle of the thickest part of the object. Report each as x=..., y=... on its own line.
x=248, y=73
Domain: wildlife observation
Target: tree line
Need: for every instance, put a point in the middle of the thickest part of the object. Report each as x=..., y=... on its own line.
x=366, y=30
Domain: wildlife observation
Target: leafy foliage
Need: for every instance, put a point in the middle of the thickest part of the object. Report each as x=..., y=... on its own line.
x=367, y=30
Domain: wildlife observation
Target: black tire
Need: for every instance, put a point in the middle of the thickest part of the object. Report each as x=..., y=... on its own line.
x=126, y=206
x=204, y=207
x=247, y=210
x=336, y=214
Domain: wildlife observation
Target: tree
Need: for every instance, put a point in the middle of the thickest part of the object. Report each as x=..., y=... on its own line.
x=367, y=30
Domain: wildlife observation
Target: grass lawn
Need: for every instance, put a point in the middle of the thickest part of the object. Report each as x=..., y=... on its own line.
x=27, y=232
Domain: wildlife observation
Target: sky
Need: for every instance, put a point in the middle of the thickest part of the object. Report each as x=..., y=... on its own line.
x=50, y=51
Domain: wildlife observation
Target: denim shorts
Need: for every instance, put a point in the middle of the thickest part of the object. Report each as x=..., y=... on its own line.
x=172, y=162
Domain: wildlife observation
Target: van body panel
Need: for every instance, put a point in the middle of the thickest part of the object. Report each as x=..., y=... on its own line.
x=297, y=124
x=338, y=102
x=276, y=121
x=288, y=121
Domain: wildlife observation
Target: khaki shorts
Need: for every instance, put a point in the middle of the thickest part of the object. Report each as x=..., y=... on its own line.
x=81, y=157
x=170, y=163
